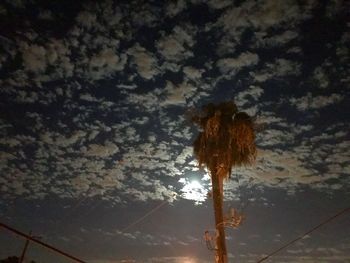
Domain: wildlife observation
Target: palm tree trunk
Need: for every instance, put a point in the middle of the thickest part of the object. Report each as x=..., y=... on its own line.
x=217, y=183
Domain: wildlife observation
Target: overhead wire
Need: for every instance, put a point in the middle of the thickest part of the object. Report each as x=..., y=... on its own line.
x=144, y=216
x=305, y=234
x=35, y=240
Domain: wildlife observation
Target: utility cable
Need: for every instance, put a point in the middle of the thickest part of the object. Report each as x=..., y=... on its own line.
x=144, y=216
x=305, y=234
x=33, y=239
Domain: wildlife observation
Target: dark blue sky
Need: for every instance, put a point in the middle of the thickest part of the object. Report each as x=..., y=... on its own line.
x=94, y=135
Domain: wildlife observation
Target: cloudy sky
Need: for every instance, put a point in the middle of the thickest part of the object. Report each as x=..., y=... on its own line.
x=95, y=146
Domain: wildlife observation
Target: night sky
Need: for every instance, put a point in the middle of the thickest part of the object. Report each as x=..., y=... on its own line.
x=96, y=147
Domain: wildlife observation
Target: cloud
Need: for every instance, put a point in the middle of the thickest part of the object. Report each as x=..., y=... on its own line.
x=88, y=97
x=259, y=18
x=263, y=40
x=232, y=65
x=27, y=96
x=105, y=63
x=78, y=53
x=34, y=58
x=80, y=183
x=149, y=15
x=177, y=95
x=271, y=14
x=321, y=77
x=226, y=46
x=37, y=59
x=342, y=51
x=60, y=140
x=294, y=50
x=174, y=8
x=97, y=140
x=311, y=102
x=101, y=151
x=86, y=19
x=145, y=62
x=145, y=102
x=176, y=46
x=193, y=73
x=299, y=165
x=64, y=141
x=280, y=67
x=263, y=15
x=194, y=190
x=252, y=93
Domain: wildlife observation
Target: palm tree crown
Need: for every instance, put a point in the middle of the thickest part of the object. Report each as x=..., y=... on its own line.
x=227, y=138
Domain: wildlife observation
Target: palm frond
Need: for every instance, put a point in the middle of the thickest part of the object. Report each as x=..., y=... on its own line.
x=227, y=139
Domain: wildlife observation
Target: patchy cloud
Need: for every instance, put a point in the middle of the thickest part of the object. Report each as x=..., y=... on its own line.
x=93, y=110
x=279, y=68
x=101, y=151
x=105, y=63
x=177, y=45
x=145, y=62
x=228, y=65
x=310, y=102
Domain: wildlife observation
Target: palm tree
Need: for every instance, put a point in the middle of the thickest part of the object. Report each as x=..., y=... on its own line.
x=227, y=139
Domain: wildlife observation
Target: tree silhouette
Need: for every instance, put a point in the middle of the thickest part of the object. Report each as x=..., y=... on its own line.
x=227, y=139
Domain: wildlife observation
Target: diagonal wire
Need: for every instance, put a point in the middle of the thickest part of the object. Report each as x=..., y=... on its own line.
x=305, y=234
x=144, y=216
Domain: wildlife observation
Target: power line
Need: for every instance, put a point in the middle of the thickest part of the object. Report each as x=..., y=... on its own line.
x=29, y=237
x=305, y=234
x=144, y=216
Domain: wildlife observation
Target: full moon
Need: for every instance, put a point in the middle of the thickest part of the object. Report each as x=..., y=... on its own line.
x=194, y=190
x=195, y=184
